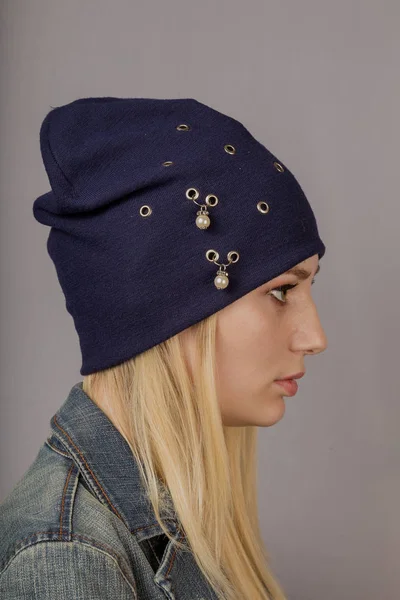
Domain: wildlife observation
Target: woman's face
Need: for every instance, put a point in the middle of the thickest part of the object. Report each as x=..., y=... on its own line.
x=261, y=337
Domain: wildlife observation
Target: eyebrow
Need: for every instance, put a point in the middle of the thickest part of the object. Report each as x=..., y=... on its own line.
x=301, y=273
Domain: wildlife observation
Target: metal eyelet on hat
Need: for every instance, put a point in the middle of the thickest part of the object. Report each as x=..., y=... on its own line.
x=145, y=210
x=202, y=219
x=278, y=167
x=263, y=207
x=211, y=200
x=167, y=163
x=192, y=193
x=212, y=255
x=221, y=281
x=183, y=127
x=229, y=149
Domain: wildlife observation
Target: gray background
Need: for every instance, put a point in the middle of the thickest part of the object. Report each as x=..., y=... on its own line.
x=318, y=83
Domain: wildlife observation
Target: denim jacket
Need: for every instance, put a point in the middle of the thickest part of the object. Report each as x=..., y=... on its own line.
x=78, y=525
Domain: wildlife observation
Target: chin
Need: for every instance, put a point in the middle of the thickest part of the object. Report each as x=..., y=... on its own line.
x=269, y=418
x=264, y=414
x=271, y=414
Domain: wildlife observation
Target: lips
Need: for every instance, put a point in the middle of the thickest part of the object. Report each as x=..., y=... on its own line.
x=295, y=376
x=289, y=385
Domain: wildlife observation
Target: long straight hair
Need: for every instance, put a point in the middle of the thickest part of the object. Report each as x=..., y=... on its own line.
x=172, y=422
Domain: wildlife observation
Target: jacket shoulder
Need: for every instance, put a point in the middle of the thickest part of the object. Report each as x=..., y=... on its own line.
x=51, y=511
x=65, y=570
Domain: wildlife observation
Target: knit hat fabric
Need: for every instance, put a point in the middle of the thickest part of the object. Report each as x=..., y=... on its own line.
x=161, y=213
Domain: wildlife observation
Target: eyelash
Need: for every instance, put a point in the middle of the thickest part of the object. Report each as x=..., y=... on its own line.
x=284, y=289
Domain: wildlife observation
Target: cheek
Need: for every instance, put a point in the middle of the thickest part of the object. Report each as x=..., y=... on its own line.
x=247, y=347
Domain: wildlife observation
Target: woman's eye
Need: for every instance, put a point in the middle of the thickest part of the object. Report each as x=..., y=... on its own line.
x=283, y=290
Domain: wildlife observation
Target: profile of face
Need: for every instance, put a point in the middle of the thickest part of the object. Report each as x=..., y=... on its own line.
x=263, y=337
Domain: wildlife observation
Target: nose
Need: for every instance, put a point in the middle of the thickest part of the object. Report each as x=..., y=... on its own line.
x=311, y=338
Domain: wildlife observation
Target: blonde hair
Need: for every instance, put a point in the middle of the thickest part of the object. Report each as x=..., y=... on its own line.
x=173, y=426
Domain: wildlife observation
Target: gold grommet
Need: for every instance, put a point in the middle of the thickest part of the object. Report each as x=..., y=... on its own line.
x=167, y=163
x=183, y=127
x=278, y=167
x=211, y=200
x=212, y=255
x=263, y=207
x=229, y=149
x=192, y=194
x=233, y=256
x=145, y=210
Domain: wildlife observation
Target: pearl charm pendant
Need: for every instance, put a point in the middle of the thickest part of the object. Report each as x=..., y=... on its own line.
x=202, y=220
x=222, y=279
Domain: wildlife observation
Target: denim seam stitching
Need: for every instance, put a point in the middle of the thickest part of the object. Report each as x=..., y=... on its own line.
x=171, y=562
x=155, y=524
x=63, y=499
x=57, y=450
x=88, y=468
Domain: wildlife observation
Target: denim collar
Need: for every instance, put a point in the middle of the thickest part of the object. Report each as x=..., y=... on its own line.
x=105, y=462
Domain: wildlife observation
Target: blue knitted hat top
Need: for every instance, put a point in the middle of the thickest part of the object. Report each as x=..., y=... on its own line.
x=162, y=212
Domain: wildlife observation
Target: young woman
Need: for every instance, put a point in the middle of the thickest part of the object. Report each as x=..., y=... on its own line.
x=186, y=252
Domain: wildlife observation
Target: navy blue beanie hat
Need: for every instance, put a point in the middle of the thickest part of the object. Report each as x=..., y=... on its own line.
x=162, y=212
